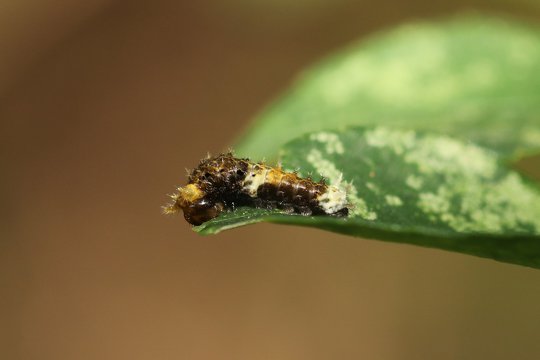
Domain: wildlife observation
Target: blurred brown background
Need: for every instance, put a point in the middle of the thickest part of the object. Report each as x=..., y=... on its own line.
x=102, y=105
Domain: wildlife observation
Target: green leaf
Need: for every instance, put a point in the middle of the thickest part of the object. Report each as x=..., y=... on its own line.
x=418, y=188
x=474, y=78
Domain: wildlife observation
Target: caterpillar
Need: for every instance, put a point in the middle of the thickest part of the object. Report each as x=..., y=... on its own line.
x=225, y=182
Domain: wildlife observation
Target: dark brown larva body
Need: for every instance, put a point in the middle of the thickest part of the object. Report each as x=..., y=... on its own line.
x=226, y=182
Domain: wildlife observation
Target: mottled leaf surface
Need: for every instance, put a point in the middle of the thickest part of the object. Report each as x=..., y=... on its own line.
x=419, y=188
x=474, y=78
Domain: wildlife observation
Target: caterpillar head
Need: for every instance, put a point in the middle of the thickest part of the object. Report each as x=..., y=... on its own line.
x=196, y=207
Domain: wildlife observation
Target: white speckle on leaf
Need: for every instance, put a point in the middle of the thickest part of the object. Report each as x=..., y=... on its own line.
x=474, y=196
x=439, y=154
x=496, y=207
x=329, y=170
x=331, y=141
x=414, y=182
x=396, y=140
x=393, y=200
x=324, y=167
x=434, y=203
x=371, y=186
x=359, y=206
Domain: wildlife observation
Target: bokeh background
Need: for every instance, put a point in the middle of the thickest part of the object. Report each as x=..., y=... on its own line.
x=103, y=103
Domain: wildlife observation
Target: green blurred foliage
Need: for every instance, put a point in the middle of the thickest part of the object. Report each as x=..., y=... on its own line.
x=471, y=77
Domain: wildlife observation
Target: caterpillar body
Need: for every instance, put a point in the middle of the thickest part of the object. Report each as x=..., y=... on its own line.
x=225, y=182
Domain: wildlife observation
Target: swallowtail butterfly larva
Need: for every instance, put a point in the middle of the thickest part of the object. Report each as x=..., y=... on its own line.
x=225, y=182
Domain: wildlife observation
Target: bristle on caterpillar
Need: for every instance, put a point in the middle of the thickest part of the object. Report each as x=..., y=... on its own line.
x=225, y=182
